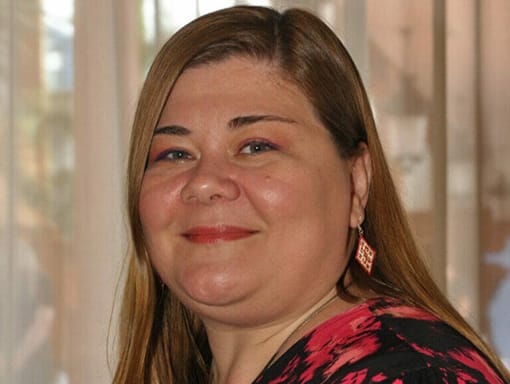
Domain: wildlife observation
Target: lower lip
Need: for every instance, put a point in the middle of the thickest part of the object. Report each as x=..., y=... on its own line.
x=215, y=237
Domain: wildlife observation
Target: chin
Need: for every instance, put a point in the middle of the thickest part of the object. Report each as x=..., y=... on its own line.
x=211, y=288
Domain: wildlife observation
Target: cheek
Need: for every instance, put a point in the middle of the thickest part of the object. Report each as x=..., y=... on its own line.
x=157, y=207
x=272, y=195
x=316, y=193
x=158, y=198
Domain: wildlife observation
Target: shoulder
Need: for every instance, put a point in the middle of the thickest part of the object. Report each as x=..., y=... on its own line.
x=406, y=344
x=381, y=341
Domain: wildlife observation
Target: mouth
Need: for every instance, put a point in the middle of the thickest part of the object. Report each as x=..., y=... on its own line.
x=215, y=234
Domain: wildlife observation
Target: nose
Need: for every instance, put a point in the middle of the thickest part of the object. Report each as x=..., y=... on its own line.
x=210, y=182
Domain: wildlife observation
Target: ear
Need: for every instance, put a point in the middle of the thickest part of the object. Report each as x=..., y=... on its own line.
x=361, y=176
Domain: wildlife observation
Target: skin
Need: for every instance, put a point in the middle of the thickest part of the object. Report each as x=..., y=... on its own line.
x=237, y=146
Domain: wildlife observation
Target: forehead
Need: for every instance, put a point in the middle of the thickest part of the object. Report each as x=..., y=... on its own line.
x=237, y=82
x=233, y=66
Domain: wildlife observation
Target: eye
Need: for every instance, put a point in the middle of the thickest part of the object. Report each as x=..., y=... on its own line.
x=174, y=155
x=257, y=146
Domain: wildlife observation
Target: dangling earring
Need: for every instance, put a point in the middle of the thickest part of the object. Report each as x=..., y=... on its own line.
x=365, y=254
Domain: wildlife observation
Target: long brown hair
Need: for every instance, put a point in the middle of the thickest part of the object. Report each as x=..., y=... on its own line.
x=160, y=341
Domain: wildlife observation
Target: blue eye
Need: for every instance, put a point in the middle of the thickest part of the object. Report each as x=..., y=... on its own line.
x=174, y=155
x=256, y=146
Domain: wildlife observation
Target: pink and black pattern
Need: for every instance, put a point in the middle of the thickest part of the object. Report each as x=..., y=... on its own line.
x=381, y=341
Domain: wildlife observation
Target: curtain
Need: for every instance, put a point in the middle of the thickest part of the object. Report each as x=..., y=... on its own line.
x=436, y=73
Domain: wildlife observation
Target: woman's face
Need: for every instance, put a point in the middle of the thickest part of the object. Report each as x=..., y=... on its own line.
x=245, y=203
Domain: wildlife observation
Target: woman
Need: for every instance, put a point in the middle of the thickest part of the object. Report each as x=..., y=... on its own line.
x=258, y=197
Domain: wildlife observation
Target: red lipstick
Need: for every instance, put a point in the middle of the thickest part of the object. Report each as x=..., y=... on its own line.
x=214, y=234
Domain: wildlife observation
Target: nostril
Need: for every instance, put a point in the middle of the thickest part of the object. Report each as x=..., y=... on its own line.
x=209, y=187
x=215, y=196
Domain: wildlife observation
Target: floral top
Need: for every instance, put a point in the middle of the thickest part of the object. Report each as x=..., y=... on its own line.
x=381, y=341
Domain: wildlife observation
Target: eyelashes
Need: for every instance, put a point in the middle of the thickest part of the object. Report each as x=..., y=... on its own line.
x=257, y=146
x=172, y=154
x=251, y=147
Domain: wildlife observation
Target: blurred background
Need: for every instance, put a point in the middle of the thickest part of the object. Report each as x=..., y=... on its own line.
x=437, y=73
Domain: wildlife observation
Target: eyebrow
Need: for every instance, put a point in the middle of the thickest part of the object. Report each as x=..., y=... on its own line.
x=172, y=130
x=241, y=121
x=235, y=123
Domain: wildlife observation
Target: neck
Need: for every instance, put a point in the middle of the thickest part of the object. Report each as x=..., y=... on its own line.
x=241, y=354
